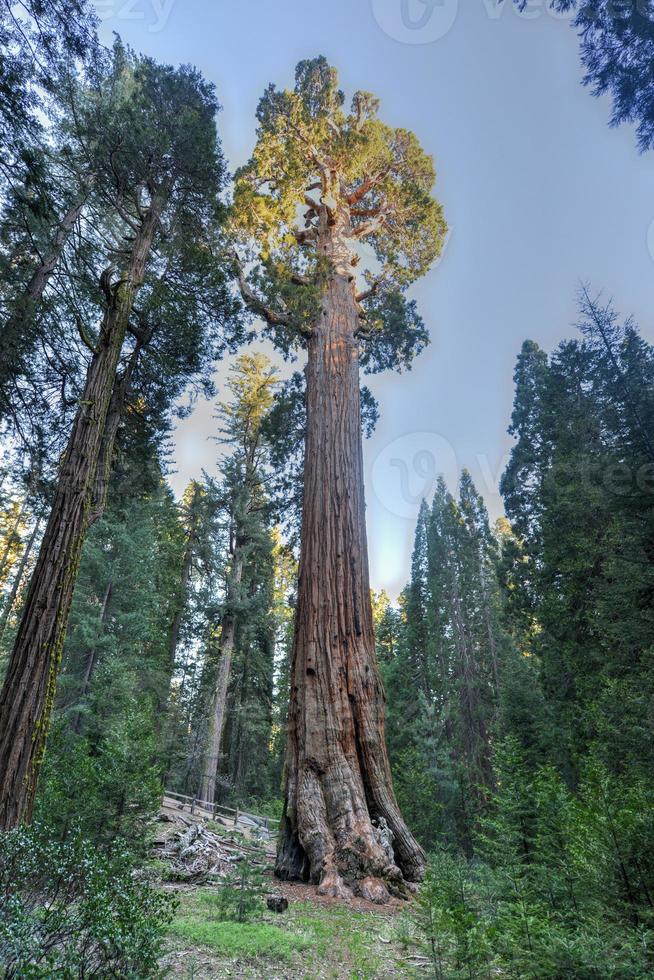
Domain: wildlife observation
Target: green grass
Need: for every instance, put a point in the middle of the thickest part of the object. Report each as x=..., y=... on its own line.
x=246, y=940
x=197, y=922
x=352, y=933
x=333, y=941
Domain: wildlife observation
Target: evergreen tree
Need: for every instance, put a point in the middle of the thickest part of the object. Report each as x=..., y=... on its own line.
x=616, y=42
x=576, y=480
x=105, y=761
x=251, y=383
x=167, y=177
x=358, y=180
x=453, y=661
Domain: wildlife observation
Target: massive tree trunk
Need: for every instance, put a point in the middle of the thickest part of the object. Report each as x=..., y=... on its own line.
x=338, y=790
x=28, y=693
x=219, y=703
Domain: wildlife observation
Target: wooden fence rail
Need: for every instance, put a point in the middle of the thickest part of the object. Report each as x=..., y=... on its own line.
x=216, y=809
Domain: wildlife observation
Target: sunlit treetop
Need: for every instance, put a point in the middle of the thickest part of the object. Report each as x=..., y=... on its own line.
x=333, y=190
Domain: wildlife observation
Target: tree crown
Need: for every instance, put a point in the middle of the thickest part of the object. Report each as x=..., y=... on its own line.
x=328, y=190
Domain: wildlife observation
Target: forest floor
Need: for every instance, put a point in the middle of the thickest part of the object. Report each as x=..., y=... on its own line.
x=316, y=937
x=312, y=938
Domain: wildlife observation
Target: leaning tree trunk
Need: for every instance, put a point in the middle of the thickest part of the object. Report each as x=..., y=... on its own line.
x=219, y=703
x=29, y=688
x=338, y=789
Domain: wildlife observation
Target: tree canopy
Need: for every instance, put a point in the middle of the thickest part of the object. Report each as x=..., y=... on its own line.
x=316, y=165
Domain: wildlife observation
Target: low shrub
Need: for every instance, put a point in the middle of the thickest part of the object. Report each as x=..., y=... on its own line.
x=69, y=911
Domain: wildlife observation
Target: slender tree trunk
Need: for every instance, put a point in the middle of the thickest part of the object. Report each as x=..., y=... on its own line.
x=107, y=445
x=337, y=773
x=187, y=563
x=219, y=704
x=476, y=739
x=38, y=282
x=17, y=333
x=488, y=622
x=6, y=563
x=92, y=659
x=11, y=598
x=29, y=689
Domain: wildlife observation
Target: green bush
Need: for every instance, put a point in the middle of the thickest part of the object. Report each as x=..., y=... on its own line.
x=68, y=911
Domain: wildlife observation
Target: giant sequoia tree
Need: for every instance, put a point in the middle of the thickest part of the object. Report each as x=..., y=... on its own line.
x=326, y=192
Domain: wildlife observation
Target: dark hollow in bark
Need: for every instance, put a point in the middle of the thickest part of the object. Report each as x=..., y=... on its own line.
x=338, y=780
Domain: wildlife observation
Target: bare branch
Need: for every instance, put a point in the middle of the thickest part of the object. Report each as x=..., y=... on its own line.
x=105, y=282
x=367, y=185
x=369, y=227
x=84, y=334
x=365, y=212
x=299, y=280
x=370, y=291
x=254, y=302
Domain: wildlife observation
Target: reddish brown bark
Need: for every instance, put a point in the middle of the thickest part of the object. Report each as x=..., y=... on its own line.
x=28, y=692
x=338, y=780
x=107, y=445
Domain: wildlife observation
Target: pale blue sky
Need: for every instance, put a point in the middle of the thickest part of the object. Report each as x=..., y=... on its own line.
x=538, y=192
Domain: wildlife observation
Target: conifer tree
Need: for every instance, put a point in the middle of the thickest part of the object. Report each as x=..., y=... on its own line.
x=251, y=383
x=167, y=175
x=452, y=656
x=357, y=181
x=616, y=45
x=576, y=480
